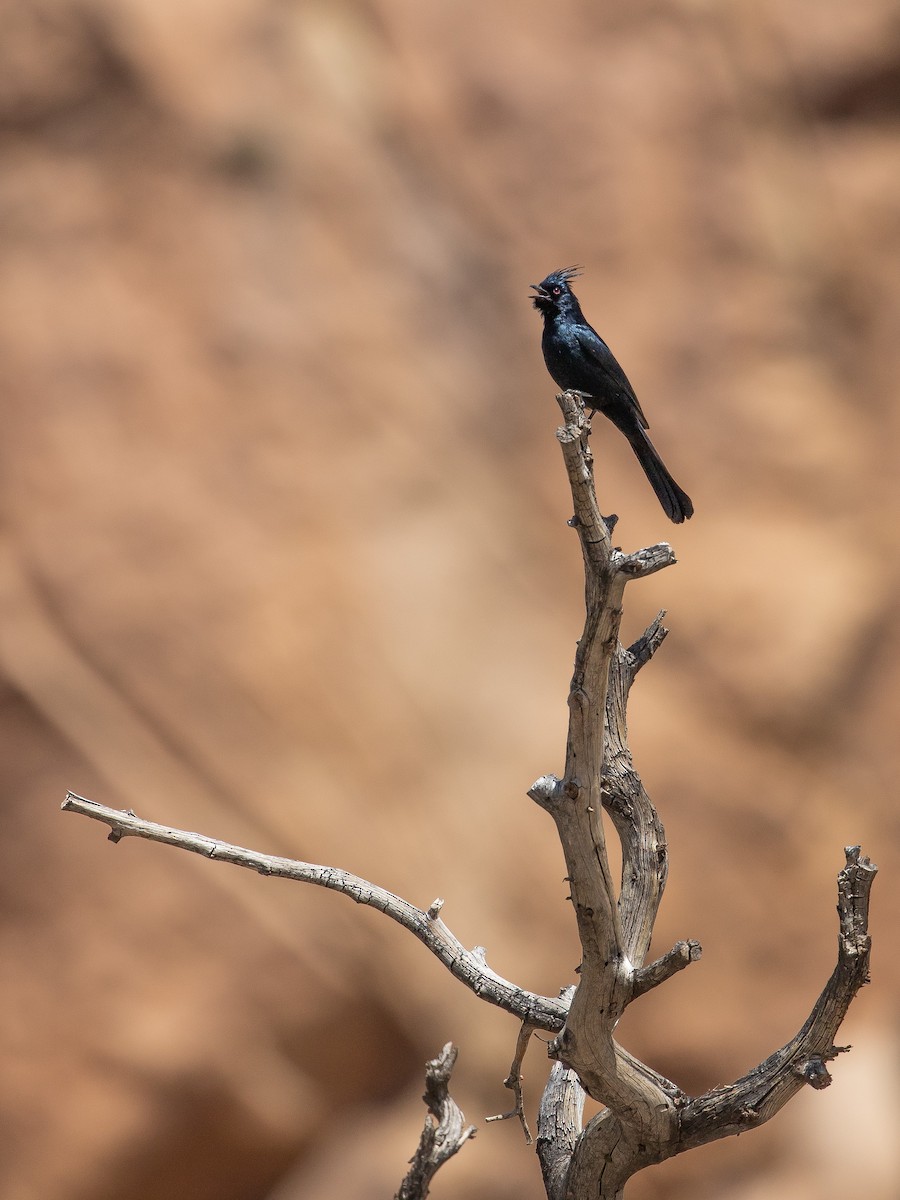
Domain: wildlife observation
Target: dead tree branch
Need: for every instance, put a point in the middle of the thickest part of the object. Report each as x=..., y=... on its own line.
x=614, y=938
x=513, y=1081
x=444, y=1132
x=646, y=1118
x=559, y=1127
x=760, y=1094
x=469, y=966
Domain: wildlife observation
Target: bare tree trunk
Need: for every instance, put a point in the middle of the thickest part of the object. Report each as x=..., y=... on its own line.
x=647, y=1118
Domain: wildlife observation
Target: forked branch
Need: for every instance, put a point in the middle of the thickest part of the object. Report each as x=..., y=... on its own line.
x=647, y=1118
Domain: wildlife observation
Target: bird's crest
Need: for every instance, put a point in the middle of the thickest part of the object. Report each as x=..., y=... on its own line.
x=557, y=280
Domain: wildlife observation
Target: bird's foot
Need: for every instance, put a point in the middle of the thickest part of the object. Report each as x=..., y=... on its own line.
x=588, y=401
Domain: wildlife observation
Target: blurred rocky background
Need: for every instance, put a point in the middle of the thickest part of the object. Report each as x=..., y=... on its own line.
x=284, y=560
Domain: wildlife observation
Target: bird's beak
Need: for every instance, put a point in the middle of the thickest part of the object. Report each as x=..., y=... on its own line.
x=540, y=291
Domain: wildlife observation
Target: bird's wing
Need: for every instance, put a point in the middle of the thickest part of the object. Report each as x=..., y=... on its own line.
x=600, y=355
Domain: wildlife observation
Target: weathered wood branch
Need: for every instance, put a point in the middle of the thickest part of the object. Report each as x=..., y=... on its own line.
x=444, y=1132
x=606, y=1152
x=614, y=936
x=647, y=1118
x=469, y=966
x=514, y=1081
x=758, y=1096
x=645, y=863
x=680, y=956
x=559, y=1127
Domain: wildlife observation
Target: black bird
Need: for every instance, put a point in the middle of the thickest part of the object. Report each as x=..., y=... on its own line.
x=579, y=360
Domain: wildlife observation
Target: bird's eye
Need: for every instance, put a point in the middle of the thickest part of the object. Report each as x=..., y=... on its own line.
x=557, y=291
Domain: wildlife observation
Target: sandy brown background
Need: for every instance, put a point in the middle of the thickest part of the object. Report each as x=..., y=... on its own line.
x=284, y=559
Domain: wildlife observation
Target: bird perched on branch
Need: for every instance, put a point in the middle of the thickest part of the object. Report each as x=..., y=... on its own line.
x=579, y=360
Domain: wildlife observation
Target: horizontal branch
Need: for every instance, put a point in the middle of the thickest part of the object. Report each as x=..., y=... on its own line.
x=680, y=956
x=542, y=1012
x=644, y=562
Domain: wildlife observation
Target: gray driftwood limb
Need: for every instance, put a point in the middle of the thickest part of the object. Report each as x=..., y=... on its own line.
x=646, y=1118
x=514, y=1081
x=469, y=966
x=642, y=1108
x=559, y=1127
x=559, y=1124
x=444, y=1132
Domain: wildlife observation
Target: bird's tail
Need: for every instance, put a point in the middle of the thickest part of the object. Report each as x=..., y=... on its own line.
x=676, y=503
